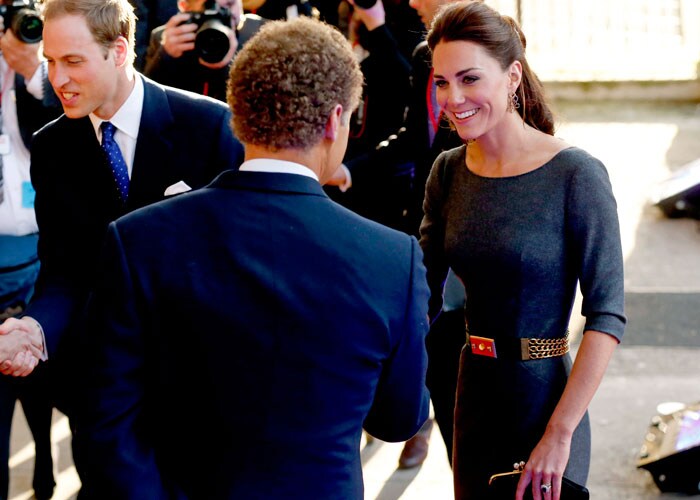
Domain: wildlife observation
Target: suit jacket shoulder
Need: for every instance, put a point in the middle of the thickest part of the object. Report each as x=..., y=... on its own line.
x=33, y=113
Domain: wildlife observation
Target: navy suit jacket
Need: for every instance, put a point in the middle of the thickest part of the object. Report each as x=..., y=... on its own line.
x=182, y=136
x=241, y=336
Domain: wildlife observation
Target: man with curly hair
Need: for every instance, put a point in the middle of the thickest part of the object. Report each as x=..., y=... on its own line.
x=243, y=334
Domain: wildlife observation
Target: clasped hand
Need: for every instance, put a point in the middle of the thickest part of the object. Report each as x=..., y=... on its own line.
x=21, y=347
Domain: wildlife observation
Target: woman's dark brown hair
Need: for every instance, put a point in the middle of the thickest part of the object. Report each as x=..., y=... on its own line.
x=502, y=38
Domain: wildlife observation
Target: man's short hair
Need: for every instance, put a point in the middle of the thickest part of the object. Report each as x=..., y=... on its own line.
x=106, y=19
x=286, y=81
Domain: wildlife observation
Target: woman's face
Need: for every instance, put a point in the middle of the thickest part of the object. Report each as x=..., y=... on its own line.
x=472, y=88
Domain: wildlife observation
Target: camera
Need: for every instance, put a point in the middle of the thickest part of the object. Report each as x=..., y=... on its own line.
x=365, y=4
x=23, y=19
x=212, y=37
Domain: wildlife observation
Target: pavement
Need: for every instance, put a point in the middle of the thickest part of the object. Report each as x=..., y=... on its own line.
x=641, y=143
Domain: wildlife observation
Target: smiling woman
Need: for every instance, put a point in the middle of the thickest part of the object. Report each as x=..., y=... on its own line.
x=522, y=218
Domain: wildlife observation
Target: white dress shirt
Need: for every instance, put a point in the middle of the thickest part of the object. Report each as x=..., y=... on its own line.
x=278, y=167
x=127, y=120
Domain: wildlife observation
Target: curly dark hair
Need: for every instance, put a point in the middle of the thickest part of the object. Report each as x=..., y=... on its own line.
x=286, y=81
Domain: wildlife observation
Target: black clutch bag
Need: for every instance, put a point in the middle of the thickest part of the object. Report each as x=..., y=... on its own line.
x=502, y=487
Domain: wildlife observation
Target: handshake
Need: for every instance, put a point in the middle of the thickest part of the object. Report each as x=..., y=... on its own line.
x=21, y=346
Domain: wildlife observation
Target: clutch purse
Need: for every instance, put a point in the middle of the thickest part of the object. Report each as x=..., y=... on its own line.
x=502, y=487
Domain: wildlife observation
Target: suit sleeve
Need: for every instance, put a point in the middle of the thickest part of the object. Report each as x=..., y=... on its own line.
x=60, y=292
x=402, y=402
x=113, y=428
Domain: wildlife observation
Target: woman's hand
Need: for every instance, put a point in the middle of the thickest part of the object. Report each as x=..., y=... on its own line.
x=549, y=458
x=546, y=466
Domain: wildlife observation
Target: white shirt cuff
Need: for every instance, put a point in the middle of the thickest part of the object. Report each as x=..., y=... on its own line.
x=35, y=86
x=348, y=179
x=45, y=353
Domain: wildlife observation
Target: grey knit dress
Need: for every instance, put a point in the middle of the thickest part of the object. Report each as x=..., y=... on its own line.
x=521, y=244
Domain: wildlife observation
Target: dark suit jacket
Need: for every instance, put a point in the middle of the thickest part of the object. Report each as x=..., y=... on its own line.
x=181, y=137
x=242, y=335
x=33, y=114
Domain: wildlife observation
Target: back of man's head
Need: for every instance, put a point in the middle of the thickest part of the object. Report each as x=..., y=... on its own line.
x=287, y=80
x=106, y=19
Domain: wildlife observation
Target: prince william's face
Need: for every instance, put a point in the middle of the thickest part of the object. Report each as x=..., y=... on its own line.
x=87, y=77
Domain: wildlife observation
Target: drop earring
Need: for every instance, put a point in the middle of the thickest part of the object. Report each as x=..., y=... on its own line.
x=513, y=102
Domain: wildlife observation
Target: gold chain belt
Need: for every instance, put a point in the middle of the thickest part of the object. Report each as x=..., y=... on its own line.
x=544, y=348
x=525, y=348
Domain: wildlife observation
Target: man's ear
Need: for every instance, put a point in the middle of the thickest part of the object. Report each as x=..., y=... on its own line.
x=121, y=51
x=333, y=123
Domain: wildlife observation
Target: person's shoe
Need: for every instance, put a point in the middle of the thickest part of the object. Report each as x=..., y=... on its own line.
x=43, y=495
x=44, y=482
x=415, y=450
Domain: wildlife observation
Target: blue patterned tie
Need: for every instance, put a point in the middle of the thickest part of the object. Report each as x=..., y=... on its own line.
x=115, y=159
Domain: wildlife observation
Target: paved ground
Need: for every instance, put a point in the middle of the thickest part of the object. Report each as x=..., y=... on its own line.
x=641, y=144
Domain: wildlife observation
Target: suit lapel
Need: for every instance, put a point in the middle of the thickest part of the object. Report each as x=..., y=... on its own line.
x=90, y=176
x=154, y=150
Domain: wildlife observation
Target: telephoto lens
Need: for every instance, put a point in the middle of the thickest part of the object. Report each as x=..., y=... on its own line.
x=365, y=4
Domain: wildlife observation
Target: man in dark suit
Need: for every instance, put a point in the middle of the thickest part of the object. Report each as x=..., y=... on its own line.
x=167, y=141
x=258, y=304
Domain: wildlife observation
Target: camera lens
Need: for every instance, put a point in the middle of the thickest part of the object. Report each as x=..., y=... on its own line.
x=212, y=42
x=27, y=25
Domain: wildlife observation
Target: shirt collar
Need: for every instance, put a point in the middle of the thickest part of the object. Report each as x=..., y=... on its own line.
x=128, y=117
x=278, y=167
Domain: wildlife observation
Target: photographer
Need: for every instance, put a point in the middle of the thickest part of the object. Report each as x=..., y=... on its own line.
x=182, y=56
x=26, y=104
